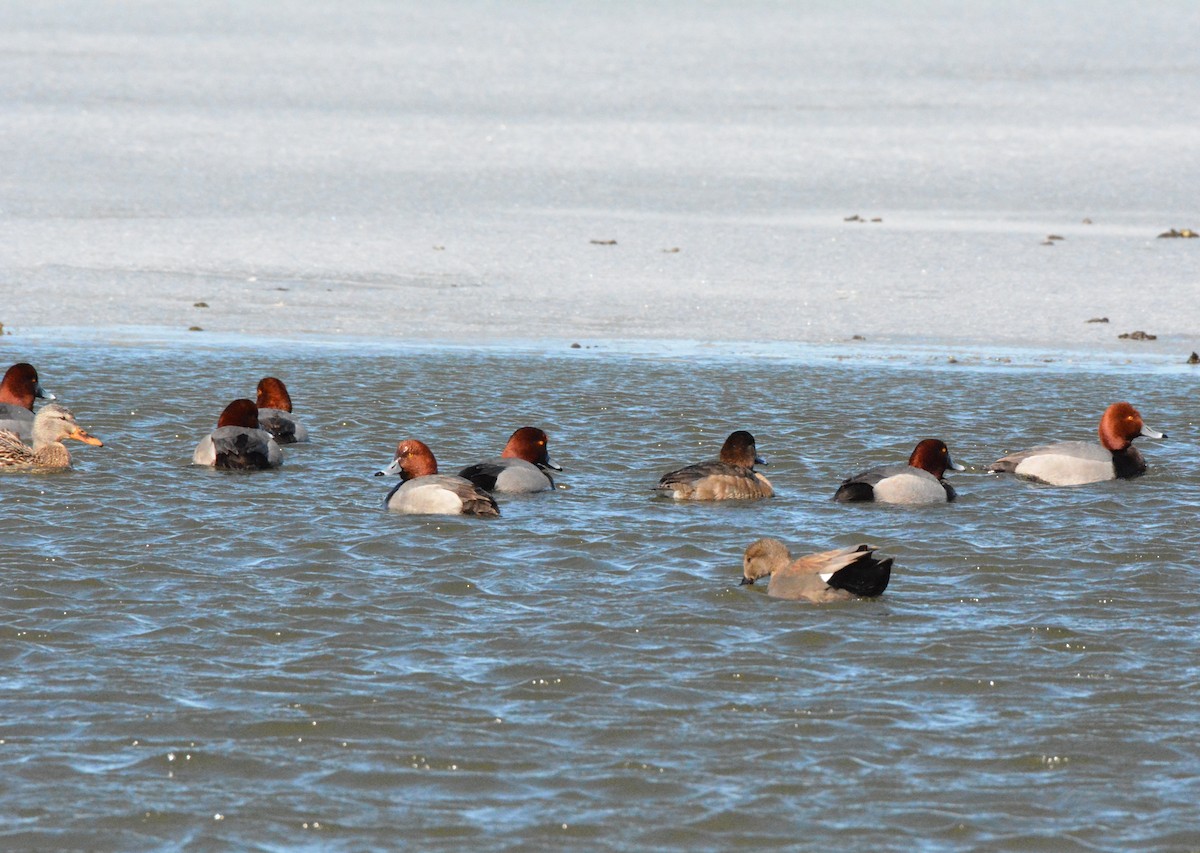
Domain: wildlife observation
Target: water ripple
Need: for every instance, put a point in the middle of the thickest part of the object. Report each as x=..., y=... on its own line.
x=281, y=651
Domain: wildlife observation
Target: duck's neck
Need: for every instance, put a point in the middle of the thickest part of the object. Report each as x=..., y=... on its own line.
x=1128, y=463
x=53, y=455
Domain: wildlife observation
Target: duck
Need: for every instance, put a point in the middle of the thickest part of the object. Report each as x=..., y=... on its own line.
x=423, y=491
x=51, y=425
x=920, y=481
x=730, y=477
x=837, y=575
x=237, y=444
x=275, y=412
x=18, y=389
x=520, y=468
x=1075, y=463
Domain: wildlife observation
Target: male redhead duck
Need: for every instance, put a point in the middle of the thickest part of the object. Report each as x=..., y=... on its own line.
x=423, y=491
x=237, y=444
x=918, y=482
x=1073, y=463
x=521, y=468
x=275, y=412
x=51, y=425
x=18, y=389
x=730, y=477
x=836, y=575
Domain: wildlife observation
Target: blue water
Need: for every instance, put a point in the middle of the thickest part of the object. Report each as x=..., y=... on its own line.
x=202, y=660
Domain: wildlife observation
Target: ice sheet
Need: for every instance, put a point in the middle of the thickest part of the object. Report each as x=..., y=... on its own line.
x=457, y=171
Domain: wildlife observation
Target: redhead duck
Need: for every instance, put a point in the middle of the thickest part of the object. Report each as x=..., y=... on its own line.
x=237, y=444
x=18, y=389
x=918, y=482
x=275, y=412
x=423, y=491
x=521, y=468
x=836, y=575
x=730, y=477
x=1073, y=463
x=51, y=425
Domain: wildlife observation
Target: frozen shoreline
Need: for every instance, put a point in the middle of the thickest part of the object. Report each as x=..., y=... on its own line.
x=884, y=282
x=924, y=356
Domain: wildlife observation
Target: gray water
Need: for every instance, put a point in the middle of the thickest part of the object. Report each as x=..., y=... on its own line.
x=202, y=660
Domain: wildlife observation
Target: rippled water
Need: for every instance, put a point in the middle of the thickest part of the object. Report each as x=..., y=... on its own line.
x=271, y=661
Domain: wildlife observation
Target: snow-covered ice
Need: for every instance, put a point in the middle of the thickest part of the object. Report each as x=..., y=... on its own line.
x=456, y=171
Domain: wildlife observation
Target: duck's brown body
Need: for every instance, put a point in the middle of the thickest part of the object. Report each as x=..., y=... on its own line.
x=732, y=477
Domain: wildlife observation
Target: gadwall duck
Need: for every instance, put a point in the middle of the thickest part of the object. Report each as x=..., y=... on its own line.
x=837, y=575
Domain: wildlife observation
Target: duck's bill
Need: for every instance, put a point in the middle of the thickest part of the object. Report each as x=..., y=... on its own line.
x=394, y=468
x=758, y=460
x=39, y=391
x=954, y=466
x=746, y=581
x=553, y=466
x=82, y=435
x=1152, y=433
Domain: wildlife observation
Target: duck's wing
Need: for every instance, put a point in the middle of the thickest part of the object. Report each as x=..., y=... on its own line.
x=1089, y=451
x=507, y=475
x=715, y=480
x=13, y=451
x=861, y=487
x=484, y=474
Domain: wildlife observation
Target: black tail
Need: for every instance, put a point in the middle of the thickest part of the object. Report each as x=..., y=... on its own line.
x=481, y=504
x=284, y=431
x=852, y=491
x=866, y=576
x=239, y=455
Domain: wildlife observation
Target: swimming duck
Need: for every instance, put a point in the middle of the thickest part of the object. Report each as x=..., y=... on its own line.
x=51, y=425
x=836, y=575
x=237, y=444
x=18, y=389
x=275, y=412
x=919, y=482
x=730, y=477
x=521, y=468
x=1073, y=463
x=423, y=490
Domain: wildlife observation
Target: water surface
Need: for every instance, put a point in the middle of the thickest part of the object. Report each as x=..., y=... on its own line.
x=272, y=661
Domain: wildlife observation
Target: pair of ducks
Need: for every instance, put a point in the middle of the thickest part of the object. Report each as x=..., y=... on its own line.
x=835, y=575
x=519, y=469
x=249, y=432
x=47, y=429
x=732, y=477
x=922, y=479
